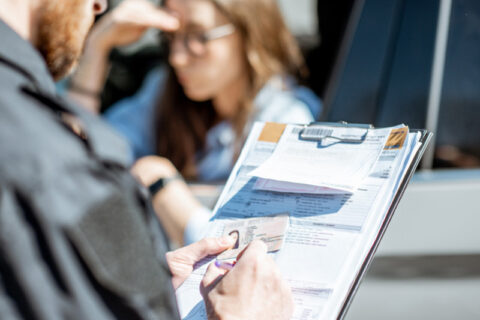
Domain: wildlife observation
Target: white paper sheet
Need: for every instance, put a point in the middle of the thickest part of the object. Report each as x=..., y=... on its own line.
x=328, y=238
x=326, y=163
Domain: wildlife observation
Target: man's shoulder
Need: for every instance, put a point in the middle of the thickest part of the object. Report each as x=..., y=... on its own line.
x=12, y=83
x=31, y=142
x=20, y=143
x=10, y=77
x=14, y=120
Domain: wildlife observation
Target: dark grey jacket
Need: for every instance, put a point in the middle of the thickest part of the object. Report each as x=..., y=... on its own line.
x=78, y=238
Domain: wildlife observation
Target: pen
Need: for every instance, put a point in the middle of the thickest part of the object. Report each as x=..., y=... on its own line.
x=225, y=265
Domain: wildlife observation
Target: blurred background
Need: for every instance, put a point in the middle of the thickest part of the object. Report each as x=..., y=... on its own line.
x=387, y=62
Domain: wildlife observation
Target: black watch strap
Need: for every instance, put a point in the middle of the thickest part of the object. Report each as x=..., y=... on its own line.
x=162, y=182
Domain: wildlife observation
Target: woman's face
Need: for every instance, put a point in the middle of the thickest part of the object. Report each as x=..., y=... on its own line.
x=221, y=64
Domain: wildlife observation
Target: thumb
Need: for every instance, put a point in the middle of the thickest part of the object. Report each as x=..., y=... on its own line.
x=209, y=246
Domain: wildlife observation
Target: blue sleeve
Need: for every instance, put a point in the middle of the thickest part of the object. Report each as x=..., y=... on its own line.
x=133, y=117
x=310, y=99
x=286, y=103
x=284, y=107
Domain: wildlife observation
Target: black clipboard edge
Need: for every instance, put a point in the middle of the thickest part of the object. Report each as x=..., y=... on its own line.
x=425, y=140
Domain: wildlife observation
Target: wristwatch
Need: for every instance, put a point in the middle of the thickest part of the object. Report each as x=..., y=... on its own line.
x=162, y=182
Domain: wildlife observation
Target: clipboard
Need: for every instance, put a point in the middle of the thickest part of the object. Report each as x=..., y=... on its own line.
x=424, y=140
x=267, y=135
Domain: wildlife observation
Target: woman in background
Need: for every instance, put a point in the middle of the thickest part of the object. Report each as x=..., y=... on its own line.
x=227, y=68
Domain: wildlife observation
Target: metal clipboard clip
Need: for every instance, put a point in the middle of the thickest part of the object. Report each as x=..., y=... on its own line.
x=317, y=131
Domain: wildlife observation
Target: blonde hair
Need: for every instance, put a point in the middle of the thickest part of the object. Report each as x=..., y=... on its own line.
x=270, y=48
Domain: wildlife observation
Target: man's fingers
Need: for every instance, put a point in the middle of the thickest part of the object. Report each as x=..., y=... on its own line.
x=208, y=246
x=211, y=278
x=254, y=249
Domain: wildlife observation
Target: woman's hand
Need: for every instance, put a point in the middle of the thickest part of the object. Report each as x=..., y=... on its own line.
x=122, y=26
x=149, y=169
x=181, y=261
x=174, y=204
x=127, y=23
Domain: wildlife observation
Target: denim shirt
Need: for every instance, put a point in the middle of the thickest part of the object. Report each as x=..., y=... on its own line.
x=277, y=101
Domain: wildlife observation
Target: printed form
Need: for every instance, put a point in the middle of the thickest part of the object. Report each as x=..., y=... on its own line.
x=330, y=234
x=325, y=163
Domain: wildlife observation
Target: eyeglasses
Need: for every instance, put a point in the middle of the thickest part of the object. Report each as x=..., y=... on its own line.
x=196, y=42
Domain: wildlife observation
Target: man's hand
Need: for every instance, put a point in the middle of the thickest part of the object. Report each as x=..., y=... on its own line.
x=252, y=290
x=181, y=261
x=127, y=23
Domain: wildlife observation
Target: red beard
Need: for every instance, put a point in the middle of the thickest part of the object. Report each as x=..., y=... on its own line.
x=62, y=28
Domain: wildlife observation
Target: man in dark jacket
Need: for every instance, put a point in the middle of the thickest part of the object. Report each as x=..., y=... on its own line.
x=78, y=237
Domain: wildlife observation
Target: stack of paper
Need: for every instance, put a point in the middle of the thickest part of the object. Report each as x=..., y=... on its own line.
x=331, y=234
x=324, y=166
